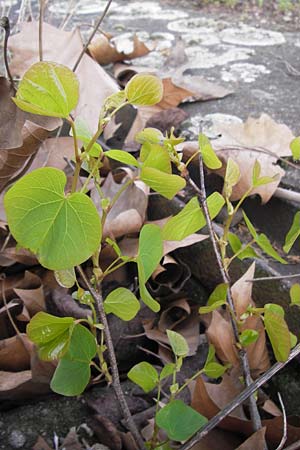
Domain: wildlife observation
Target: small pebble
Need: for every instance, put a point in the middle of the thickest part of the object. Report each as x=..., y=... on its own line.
x=17, y=439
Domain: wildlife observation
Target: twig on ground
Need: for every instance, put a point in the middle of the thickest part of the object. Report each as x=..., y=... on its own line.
x=279, y=277
x=255, y=417
x=4, y=23
x=101, y=316
x=287, y=194
x=241, y=398
x=284, y=435
x=92, y=34
x=41, y=18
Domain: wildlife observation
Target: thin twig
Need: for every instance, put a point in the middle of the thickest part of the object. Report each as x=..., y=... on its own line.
x=92, y=34
x=41, y=18
x=284, y=435
x=279, y=277
x=255, y=417
x=287, y=194
x=4, y=23
x=101, y=316
x=241, y=398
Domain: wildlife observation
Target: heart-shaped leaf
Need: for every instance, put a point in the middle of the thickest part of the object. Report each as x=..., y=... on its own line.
x=144, y=375
x=165, y=184
x=122, y=303
x=144, y=89
x=62, y=230
x=209, y=156
x=48, y=89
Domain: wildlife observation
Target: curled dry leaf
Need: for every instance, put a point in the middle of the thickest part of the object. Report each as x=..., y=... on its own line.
x=170, y=276
x=64, y=47
x=14, y=353
x=106, y=50
x=258, y=139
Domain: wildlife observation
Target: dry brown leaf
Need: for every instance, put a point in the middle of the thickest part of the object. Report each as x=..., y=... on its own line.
x=64, y=47
x=220, y=335
x=12, y=255
x=129, y=211
x=169, y=276
x=218, y=439
x=106, y=50
x=27, y=280
x=257, y=441
x=14, y=353
x=41, y=444
x=241, y=294
x=54, y=152
x=71, y=441
x=33, y=299
x=239, y=141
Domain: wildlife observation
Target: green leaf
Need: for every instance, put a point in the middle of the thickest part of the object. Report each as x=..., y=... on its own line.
x=247, y=337
x=218, y=294
x=48, y=89
x=295, y=294
x=210, y=159
x=279, y=334
x=262, y=241
x=144, y=375
x=84, y=134
x=179, y=421
x=65, y=278
x=260, y=181
x=178, y=343
x=151, y=135
x=123, y=157
x=293, y=233
x=157, y=158
x=275, y=309
x=266, y=246
x=51, y=334
x=167, y=370
x=209, y=308
x=294, y=340
x=62, y=230
x=144, y=90
x=295, y=148
x=214, y=370
x=122, y=303
x=165, y=184
x=149, y=254
x=191, y=218
x=236, y=246
x=211, y=354
x=73, y=371
x=232, y=176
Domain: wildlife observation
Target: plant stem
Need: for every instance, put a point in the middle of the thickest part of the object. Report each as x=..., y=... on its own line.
x=41, y=18
x=255, y=417
x=238, y=400
x=4, y=23
x=98, y=23
x=101, y=316
x=77, y=156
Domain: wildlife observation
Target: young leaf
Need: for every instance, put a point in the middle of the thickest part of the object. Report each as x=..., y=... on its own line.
x=209, y=308
x=179, y=421
x=214, y=370
x=295, y=148
x=275, y=309
x=65, y=278
x=232, y=176
x=51, y=334
x=157, y=158
x=178, y=343
x=73, y=371
x=263, y=242
x=165, y=184
x=247, y=337
x=236, y=246
x=144, y=375
x=218, y=294
x=278, y=333
x=260, y=181
x=149, y=254
x=191, y=218
x=122, y=303
x=144, y=90
x=48, y=89
x=210, y=159
x=62, y=230
x=295, y=294
x=123, y=157
x=151, y=135
x=293, y=233
x=167, y=370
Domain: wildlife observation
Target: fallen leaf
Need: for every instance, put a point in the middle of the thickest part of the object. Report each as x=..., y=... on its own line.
x=107, y=50
x=14, y=353
x=170, y=276
x=257, y=441
x=33, y=299
x=71, y=441
x=41, y=444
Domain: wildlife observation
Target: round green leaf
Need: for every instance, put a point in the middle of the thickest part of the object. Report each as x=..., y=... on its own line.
x=122, y=303
x=144, y=89
x=48, y=89
x=62, y=230
x=144, y=375
x=178, y=343
x=179, y=420
x=165, y=184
